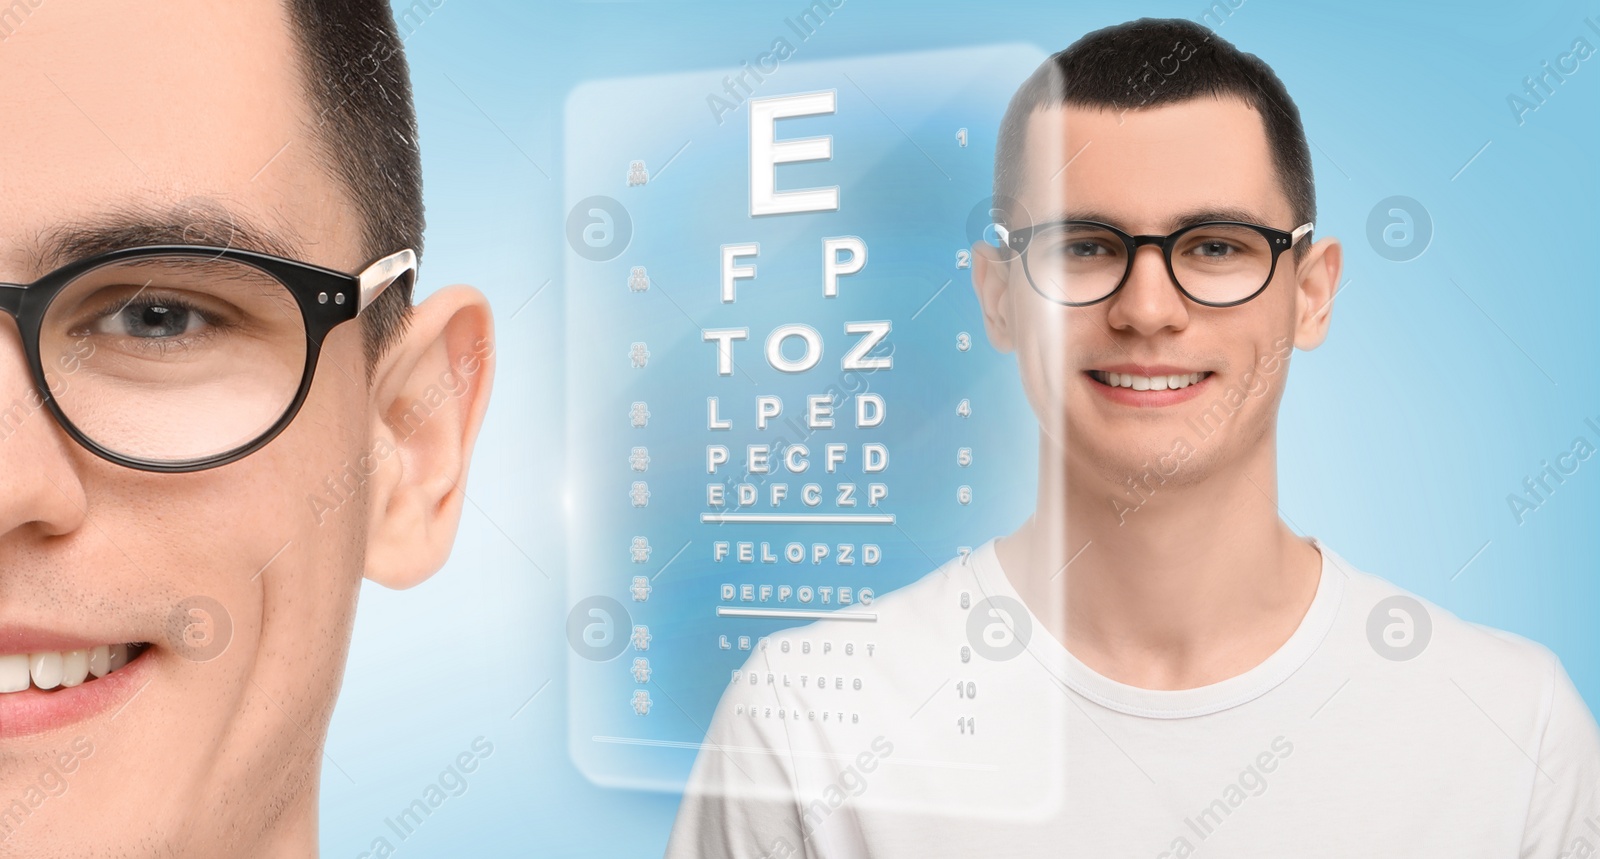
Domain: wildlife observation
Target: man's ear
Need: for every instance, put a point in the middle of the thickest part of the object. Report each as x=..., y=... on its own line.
x=1318, y=281
x=429, y=395
x=990, y=276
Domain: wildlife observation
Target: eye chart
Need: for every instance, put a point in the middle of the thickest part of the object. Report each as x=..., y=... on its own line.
x=781, y=402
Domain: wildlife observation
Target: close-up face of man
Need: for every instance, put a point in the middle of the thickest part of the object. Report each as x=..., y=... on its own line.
x=1209, y=375
x=205, y=124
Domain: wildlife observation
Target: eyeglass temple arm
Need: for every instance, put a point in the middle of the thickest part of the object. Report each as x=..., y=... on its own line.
x=375, y=278
x=1299, y=232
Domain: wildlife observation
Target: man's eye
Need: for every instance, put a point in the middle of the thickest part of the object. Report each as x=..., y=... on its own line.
x=152, y=319
x=1085, y=249
x=1214, y=248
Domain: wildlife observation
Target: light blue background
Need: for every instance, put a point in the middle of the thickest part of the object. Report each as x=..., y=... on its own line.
x=1447, y=379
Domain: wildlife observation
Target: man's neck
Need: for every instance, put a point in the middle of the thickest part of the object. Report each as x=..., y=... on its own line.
x=1199, y=583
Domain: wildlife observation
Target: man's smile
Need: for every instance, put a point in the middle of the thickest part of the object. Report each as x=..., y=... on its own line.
x=48, y=680
x=1148, y=386
x=63, y=669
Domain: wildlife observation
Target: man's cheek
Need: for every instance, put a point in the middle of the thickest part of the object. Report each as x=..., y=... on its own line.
x=1255, y=383
x=1272, y=362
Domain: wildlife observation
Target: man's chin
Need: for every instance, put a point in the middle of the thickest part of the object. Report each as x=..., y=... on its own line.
x=1136, y=462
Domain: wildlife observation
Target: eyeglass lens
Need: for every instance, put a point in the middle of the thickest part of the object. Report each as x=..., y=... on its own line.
x=173, y=358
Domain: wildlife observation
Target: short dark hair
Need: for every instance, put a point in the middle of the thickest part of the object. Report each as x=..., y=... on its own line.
x=358, y=86
x=1117, y=68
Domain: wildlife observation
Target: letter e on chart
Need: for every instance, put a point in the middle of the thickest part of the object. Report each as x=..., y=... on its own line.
x=767, y=152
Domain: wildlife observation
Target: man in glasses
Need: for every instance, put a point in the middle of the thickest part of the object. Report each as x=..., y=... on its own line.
x=218, y=410
x=1154, y=664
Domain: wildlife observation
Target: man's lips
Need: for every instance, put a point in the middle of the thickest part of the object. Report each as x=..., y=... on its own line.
x=1148, y=385
x=16, y=638
x=49, y=680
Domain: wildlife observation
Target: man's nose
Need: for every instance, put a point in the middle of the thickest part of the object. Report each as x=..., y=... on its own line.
x=1149, y=302
x=39, y=485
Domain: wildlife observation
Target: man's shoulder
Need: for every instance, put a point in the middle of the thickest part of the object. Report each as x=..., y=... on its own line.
x=1453, y=688
x=1402, y=627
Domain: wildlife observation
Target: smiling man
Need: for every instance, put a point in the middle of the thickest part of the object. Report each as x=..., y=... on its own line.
x=205, y=448
x=1153, y=664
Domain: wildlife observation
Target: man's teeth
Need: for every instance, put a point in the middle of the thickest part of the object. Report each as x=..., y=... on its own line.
x=1148, y=383
x=61, y=668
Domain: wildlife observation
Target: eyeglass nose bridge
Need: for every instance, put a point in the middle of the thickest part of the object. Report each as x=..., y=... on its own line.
x=1134, y=244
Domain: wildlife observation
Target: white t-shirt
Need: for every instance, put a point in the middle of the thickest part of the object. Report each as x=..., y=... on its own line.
x=1384, y=726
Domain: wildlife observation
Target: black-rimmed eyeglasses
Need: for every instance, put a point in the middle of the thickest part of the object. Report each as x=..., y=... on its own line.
x=180, y=358
x=1217, y=263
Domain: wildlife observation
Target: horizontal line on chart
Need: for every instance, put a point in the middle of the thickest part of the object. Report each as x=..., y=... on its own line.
x=786, y=753
x=798, y=613
x=800, y=518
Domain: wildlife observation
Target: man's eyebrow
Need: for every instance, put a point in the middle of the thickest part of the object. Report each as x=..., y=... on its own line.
x=1180, y=220
x=210, y=224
